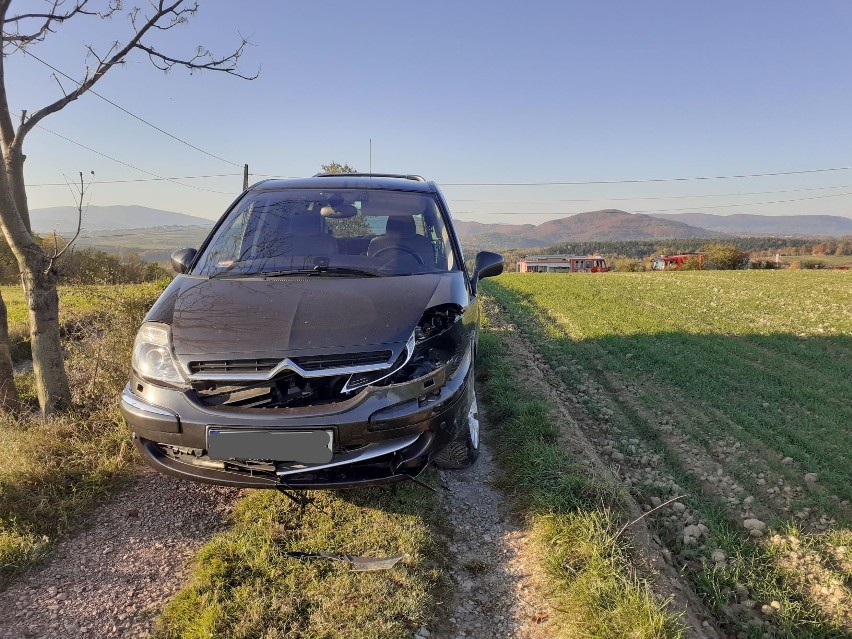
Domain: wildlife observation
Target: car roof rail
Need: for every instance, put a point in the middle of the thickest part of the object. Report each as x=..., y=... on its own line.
x=416, y=178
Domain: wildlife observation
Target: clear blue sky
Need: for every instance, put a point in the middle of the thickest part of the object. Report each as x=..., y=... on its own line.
x=472, y=92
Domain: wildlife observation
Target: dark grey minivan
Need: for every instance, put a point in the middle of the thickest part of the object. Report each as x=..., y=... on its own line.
x=323, y=336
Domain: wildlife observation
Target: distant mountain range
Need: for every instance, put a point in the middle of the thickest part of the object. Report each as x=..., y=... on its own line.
x=606, y=225
x=63, y=219
x=102, y=223
x=776, y=225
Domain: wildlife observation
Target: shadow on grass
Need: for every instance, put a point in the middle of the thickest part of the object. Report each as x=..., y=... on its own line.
x=782, y=395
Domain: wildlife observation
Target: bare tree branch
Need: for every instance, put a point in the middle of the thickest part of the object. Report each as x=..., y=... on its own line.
x=165, y=16
x=24, y=33
x=58, y=81
x=202, y=60
x=57, y=253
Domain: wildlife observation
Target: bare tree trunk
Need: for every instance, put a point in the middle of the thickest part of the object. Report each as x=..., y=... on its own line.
x=9, y=399
x=15, y=171
x=48, y=364
x=39, y=281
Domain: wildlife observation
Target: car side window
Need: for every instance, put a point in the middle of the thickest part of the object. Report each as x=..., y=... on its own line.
x=229, y=241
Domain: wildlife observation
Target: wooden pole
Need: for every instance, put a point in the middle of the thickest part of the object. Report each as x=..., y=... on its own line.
x=245, y=177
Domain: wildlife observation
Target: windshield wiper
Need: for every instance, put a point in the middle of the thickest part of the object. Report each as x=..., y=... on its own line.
x=320, y=269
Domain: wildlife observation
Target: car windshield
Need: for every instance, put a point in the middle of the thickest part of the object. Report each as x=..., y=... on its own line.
x=346, y=232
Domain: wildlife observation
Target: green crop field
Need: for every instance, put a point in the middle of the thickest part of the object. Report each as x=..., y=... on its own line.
x=733, y=388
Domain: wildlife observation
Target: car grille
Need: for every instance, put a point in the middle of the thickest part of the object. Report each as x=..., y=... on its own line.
x=233, y=366
x=321, y=362
x=287, y=389
x=306, y=363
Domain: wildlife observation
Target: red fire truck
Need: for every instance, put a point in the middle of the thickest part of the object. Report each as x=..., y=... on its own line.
x=674, y=262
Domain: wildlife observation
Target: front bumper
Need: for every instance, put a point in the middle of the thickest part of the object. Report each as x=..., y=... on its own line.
x=383, y=434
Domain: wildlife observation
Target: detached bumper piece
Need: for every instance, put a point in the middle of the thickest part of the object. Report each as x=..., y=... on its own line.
x=377, y=463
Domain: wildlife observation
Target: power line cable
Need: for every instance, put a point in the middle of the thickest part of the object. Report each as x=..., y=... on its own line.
x=160, y=179
x=723, y=206
x=122, y=162
x=659, y=197
x=637, y=181
x=130, y=113
x=685, y=208
x=598, y=199
x=650, y=180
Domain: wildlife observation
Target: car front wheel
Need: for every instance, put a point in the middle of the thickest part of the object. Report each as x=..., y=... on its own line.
x=463, y=450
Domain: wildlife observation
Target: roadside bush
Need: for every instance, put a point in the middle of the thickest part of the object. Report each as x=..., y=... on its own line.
x=722, y=256
x=87, y=266
x=91, y=266
x=812, y=264
x=628, y=265
x=99, y=347
x=767, y=265
x=692, y=264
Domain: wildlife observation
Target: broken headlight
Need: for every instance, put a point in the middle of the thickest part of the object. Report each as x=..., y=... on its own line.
x=436, y=342
x=152, y=354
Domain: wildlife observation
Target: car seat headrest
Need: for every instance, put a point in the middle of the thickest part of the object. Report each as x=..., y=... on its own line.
x=401, y=225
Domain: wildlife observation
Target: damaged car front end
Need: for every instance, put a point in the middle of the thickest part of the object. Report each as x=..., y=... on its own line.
x=293, y=351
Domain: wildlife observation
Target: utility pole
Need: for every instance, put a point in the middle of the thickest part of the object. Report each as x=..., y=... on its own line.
x=245, y=177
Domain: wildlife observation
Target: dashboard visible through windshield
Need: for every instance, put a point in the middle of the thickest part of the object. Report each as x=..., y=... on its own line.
x=346, y=232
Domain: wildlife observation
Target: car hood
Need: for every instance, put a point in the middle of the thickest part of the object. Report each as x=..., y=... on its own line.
x=231, y=318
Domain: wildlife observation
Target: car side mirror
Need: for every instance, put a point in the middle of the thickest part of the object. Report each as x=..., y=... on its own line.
x=487, y=264
x=182, y=259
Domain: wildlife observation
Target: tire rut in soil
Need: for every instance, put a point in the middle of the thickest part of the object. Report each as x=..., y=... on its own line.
x=112, y=578
x=652, y=558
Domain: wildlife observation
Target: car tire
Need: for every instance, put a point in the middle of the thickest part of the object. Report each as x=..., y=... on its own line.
x=463, y=450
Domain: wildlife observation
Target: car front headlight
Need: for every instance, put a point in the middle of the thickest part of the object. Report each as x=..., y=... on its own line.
x=152, y=354
x=435, y=342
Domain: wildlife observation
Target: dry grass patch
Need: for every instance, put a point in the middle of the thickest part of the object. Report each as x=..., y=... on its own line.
x=246, y=583
x=54, y=471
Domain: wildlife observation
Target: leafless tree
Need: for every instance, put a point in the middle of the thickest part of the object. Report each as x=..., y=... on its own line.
x=38, y=276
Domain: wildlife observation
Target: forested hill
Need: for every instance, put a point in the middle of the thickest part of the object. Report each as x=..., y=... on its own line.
x=63, y=219
x=606, y=225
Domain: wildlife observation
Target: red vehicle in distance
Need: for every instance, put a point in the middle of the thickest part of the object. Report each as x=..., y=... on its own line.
x=675, y=262
x=562, y=264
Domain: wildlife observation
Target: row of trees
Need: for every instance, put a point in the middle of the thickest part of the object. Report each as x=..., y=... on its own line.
x=829, y=247
x=639, y=249
x=38, y=266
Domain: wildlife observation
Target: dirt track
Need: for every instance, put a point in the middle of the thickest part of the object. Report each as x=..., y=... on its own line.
x=112, y=578
x=496, y=594
x=578, y=430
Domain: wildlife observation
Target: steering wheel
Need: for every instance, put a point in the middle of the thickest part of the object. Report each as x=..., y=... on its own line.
x=403, y=249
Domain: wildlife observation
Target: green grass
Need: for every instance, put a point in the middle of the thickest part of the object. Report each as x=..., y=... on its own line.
x=758, y=358
x=574, y=518
x=244, y=584
x=54, y=471
x=77, y=305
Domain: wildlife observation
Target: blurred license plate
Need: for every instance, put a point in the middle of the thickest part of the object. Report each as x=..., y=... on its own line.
x=307, y=447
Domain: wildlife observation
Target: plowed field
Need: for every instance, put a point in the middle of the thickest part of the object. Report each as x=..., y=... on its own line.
x=733, y=392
